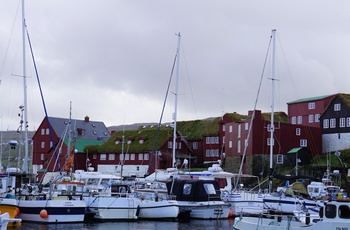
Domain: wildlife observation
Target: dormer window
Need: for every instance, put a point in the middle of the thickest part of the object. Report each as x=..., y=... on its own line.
x=128, y=142
x=141, y=141
x=81, y=131
x=117, y=141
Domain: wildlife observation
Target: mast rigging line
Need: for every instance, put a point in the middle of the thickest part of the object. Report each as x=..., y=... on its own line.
x=253, y=115
x=42, y=99
x=162, y=113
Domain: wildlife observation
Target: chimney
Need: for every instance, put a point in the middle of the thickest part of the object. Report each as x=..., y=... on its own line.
x=258, y=115
x=87, y=119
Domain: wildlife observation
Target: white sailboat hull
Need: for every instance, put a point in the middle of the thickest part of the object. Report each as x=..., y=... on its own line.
x=59, y=211
x=165, y=209
x=206, y=210
x=112, y=208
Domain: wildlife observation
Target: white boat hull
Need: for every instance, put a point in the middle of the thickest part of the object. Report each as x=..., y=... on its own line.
x=112, y=208
x=206, y=210
x=254, y=223
x=165, y=209
x=58, y=211
x=245, y=203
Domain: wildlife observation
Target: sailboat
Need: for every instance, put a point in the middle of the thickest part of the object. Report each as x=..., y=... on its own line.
x=30, y=202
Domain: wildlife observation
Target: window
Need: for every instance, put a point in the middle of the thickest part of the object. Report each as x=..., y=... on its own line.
x=230, y=144
x=209, y=189
x=103, y=157
x=230, y=129
x=312, y=105
x=216, y=140
x=140, y=156
x=337, y=107
x=111, y=157
x=51, y=144
x=223, y=139
x=121, y=157
x=238, y=146
x=332, y=123
x=170, y=144
x=317, y=117
x=239, y=131
x=195, y=145
x=342, y=122
x=348, y=122
x=325, y=123
x=187, y=189
x=331, y=211
x=42, y=132
x=42, y=156
x=311, y=118
x=223, y=128
x=94, y=156
x=146, y=156
x=127, y=156
x=132, y=156
x=294, y=120
x=207, y=140
x=246, y=126
x=207, y=153
x=47, y=131
x=297, y=131
x=303, y=143
x=344, y=212
x=42, y=144
x=300, y=119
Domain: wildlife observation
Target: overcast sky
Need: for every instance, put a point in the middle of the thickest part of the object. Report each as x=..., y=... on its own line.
x=112, y=58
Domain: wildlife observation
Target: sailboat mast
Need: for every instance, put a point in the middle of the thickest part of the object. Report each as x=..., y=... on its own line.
x=272, y=126
x=176, y=94
x=25, y=162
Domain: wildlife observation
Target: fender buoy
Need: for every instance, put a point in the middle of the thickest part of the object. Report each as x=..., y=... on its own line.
x=30, y=189
x=138, y=211
x=230, y=213
x=17, y=212
x=43, y=214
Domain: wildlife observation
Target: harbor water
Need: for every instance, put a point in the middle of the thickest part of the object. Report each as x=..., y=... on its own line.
x=138, y=225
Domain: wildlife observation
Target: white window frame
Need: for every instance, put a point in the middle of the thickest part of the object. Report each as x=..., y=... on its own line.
x=195, y=145
x=294, y=120
x=224, y=128
x=303, y=143
x=239, y=129
x=42, y=132
x=297, y=131
x=317, y=117
x=348, y=122
x=111, y=156
x=43, y=144
x=42, y=156
x=140, y=156
x=312, y=105
x=342, y=122
x=238, y=146
x=337, y=107
x=146, y=156
x=103, y=157
x=311, y=118
x=325, y=123
x=132, y=156
x=332, y=123
x=246, y=126
x=269, y=141
x=230, y=144
x=300, y=119
x=230, y=129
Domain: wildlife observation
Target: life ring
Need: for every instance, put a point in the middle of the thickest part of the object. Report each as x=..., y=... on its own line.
x=30, y=189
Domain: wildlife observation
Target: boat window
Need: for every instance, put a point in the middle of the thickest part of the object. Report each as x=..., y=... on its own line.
x=222, y=182
x=187, y=189
x=209, y=188
x=344, y=211
x=330, y=211
x=105, y=181
x=92, y=181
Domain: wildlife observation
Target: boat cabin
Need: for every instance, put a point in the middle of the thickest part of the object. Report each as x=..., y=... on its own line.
x=194, y=190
